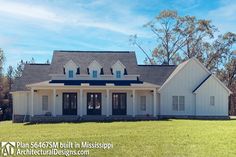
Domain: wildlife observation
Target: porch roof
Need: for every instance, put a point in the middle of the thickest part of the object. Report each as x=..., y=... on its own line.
x=87, y=84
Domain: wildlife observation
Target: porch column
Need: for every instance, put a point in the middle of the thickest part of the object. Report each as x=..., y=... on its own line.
x=107, y=113
x=81, y=101
x=78, y=103
x=32, y=102
x=134, y=103
x=54, y=101
x=155, y=102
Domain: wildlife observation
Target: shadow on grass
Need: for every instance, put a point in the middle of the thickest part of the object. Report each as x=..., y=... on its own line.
x=87, y=121
x=131, y=120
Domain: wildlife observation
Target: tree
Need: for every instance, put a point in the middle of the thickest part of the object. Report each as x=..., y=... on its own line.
x=2, y=59
x=178, y=37
x=220, y=52
x=19, y=69
x=169, y=40
x=10, y=76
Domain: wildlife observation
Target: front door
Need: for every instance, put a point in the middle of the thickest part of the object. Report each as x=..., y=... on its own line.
x=69, y=104
x=94, y=103
x=119, y=104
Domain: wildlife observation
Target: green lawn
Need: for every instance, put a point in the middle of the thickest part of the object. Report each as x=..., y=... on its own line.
x=147, y=138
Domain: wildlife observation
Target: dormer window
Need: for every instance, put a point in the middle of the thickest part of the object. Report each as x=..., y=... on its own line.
x=71, y=74
x=118, y=74
x=95, y=73
x=70, y=69
x=95, y=69
x=118, y=70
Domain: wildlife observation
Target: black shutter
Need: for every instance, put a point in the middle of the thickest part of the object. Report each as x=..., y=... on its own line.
x=88, y=71
x=111, y=71
x=101, y=73
x=78, y=71
x=125, y=72
x=64, y=71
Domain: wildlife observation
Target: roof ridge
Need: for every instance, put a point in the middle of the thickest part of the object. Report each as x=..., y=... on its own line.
x=157, y=65
x=37, y=64
x=77, y=51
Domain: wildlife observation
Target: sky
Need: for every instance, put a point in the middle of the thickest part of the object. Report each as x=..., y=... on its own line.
x=30, y=28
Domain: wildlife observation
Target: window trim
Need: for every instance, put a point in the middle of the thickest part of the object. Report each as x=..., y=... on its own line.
x=212, y=101
x=43, y=103
x=178, y=105
x=118, y=73
x=142, y=105
x=70, y=74
x=94, y=72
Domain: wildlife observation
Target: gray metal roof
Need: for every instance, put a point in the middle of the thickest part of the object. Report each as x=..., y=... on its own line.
x=83, y=58
x=32, y=73
x=156, y=74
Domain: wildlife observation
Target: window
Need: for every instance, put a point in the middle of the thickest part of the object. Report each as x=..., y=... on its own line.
x=118, y=74
x=95, y=73
x=181, y=103
x=143, y=103
x=71, y=74
x=212, y=100
x=175, y=103
x=45, y=103
x=178, y=103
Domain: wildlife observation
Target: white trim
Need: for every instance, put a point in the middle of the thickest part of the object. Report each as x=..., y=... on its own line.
x=118, y=63
x=94, y=62
x=72, y=63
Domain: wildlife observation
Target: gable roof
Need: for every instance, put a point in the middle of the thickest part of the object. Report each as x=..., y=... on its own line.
x=180, y=67
x=32, y=73
x=156, y=74
x=215, y=78
x=105, y=58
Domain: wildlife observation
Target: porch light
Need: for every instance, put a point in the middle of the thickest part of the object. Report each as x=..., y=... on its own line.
x=131, y=95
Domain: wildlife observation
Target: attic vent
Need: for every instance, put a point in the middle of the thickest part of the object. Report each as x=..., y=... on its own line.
x=102, y=73
x=64, y=71
x=88, y=71
x=111, y=71
x=78, y=71
x=125, y=72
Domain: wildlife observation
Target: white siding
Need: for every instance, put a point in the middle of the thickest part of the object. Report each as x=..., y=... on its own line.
x=38, y=108
x=211, y=88
x=182, y=84
x=149, y=102
x=20, y=103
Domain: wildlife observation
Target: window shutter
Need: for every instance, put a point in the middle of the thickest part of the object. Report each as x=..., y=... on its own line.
x=88, y=71
x=111, y=71
x=125, y=72
x=101, y=73
x=64, y=71
x=78, y=71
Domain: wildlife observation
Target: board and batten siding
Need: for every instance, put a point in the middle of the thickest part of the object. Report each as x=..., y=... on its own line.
x=211, y=88
x=182, y=84
x=21, y=103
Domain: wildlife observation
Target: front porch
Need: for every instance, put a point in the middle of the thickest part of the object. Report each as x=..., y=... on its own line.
x=93, y=103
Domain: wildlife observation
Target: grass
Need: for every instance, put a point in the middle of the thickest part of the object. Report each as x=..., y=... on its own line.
x=146, y=138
